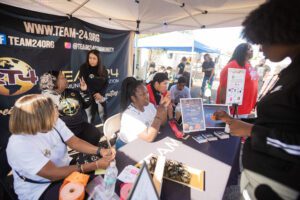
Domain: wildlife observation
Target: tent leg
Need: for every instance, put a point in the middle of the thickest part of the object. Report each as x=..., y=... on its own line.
x=135, y=64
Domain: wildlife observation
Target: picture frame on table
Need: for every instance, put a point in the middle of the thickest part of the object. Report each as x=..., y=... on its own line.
x=192, y=115
x=209, y=110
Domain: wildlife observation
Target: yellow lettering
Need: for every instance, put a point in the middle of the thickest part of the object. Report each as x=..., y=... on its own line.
x=68, y=75
x=6, y=111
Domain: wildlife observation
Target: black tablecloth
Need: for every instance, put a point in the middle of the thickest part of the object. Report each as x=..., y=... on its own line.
x=218, y=158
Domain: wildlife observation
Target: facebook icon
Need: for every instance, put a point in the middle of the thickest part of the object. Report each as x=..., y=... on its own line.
x=2, y=39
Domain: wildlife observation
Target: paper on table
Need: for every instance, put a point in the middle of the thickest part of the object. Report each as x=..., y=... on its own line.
x=158, y=173
x=129, y=174
x=227, y=129
x=99, y=171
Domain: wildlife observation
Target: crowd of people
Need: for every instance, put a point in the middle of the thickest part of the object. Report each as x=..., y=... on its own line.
x=60, y=117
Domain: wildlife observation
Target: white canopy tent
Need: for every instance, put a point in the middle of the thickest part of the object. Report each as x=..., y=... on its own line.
x=147, y=16
x=175, y=41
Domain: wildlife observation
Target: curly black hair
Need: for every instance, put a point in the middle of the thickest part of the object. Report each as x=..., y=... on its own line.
x=274, y=22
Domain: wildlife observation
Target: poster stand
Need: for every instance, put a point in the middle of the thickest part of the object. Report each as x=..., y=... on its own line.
x=235, y=110
x=235, y=88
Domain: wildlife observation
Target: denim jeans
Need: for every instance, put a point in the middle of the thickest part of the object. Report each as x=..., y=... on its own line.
x=205, y=79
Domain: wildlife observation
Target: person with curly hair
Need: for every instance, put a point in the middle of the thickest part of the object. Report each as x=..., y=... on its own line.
x=71, y=104
x=271, y=153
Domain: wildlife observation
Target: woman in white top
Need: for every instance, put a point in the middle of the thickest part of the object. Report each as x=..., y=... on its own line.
x=140, y=119
x=37, y=149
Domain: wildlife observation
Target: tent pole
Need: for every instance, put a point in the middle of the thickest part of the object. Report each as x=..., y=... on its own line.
x=191, y=72
x=80, y=6
x=135, y=55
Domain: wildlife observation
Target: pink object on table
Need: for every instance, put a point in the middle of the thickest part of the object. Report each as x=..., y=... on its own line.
x=125, y=190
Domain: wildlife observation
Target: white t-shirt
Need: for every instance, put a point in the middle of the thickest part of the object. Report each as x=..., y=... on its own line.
x=28, y=154
x=134, y=122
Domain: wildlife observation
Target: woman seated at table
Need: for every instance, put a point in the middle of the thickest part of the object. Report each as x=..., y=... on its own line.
x=140, y=119
x=37, y=150
x=71, y=104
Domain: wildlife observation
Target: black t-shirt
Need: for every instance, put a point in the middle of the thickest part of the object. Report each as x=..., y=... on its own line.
x=95, y=83
x=71, y=108
x=181, y=67
x=207, y=67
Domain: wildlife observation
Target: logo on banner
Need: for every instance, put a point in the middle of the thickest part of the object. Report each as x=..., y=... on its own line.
x=2, y=39
x=16, y=76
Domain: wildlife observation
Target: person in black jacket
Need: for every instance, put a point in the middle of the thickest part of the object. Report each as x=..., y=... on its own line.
x=271, y=154
x=95, y=75
x=71, y=104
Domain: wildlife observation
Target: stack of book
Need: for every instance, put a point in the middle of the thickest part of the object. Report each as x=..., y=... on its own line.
x=207, y=137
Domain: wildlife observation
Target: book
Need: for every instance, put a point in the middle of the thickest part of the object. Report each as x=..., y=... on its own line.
x=200, y=139
x=221, y=135
x=209, y=136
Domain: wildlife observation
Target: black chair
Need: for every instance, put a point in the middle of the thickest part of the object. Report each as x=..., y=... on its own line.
x=7, y=187
x=6, y=179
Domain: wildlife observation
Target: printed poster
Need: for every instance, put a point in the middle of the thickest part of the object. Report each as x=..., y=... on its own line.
x=192, y=115
x=235, y=86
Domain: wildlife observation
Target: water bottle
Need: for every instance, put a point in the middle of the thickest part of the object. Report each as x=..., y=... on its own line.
x=110, y=179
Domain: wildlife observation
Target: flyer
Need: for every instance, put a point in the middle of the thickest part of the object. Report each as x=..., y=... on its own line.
x=209, y=110
x=235, y=86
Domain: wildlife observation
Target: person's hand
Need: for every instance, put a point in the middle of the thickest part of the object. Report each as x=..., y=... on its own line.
x=240, y=128
x=222, y=115
x=83, y=85
x=166, y=100
x=102, y=163
x=237, y=127
x=98, y=97
x=161, y=112
x=108, y=154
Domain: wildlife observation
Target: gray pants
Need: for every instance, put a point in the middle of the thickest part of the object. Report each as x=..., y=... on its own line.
x=250, y=180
